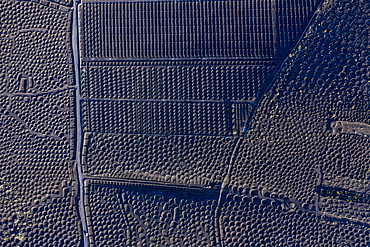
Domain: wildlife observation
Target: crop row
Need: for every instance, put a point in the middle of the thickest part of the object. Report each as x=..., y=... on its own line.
x=166, y=118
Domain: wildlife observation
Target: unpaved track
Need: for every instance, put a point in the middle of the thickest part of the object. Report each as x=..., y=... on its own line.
x=76, y=57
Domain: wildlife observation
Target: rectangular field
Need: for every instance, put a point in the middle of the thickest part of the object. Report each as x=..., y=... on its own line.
x=179, y=29
x=216, y=118
x=142, y=216
x=181, y=80
x=191, y=160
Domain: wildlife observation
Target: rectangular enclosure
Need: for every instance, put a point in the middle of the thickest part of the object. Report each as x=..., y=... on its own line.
x=164, y=117
x=182, y=80
x=179, y=29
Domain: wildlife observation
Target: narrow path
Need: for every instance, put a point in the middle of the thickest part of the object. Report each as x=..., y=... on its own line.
x=56, y=90
x=224, y=184
x=76, y=56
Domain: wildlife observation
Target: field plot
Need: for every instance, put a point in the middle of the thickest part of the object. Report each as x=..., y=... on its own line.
x=130, y=33
x=345, y=197
x=200, y=160
x=37, y=102
x=181, y=80
x=173, y=95
x=178, y=29
x=292, y=19
x=251, y=219
x=140, y=216
x=309, y=131
x=207, y=123
x=345, y=204
x=165, y=117
x=223, y=51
